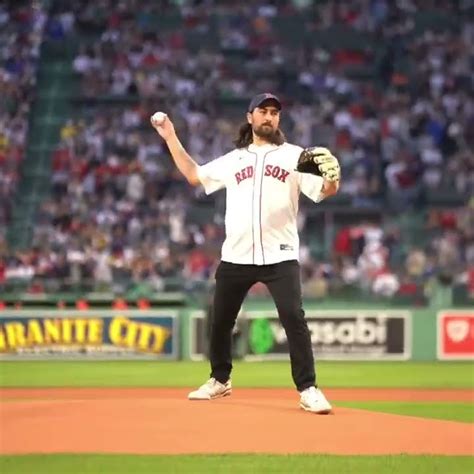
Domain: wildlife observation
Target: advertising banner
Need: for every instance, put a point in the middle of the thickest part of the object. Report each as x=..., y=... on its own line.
x=197, y=335
x=100, y=334
x=455, y=330
x=335, y=335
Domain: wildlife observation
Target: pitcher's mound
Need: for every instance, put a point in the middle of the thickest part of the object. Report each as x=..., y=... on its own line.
x=166, y=423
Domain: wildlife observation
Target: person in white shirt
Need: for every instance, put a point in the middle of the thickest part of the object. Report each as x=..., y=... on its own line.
x=261, y=244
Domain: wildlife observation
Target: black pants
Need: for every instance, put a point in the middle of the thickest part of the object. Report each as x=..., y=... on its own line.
x=283, y=281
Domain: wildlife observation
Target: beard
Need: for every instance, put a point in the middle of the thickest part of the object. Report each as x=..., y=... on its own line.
x=267, y=132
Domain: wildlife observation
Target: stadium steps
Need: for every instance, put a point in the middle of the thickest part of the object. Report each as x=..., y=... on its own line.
x=56, y=85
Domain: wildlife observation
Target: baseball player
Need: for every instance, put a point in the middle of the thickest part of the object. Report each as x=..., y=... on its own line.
x=263, y=177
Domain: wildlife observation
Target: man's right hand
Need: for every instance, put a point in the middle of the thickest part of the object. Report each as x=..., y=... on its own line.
x=183, y=161
x=165, y=128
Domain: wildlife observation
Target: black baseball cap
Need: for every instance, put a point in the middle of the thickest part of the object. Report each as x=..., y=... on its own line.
x=259, y=99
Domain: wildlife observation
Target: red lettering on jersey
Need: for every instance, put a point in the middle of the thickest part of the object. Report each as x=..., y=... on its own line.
x=244, y=173
x=283, y=175
x=270, y=170
x=276, y=172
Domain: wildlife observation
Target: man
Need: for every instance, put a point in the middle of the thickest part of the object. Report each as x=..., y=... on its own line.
x=262, y=241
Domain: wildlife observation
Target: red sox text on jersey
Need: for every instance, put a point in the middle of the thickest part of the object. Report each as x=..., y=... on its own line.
x=270, y=170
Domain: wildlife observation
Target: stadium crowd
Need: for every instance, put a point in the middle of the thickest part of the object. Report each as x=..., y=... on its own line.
x=118, y=214
x=21, y=32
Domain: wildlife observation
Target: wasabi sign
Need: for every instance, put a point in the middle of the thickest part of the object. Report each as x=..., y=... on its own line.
x=335, y=335
x=88, y=334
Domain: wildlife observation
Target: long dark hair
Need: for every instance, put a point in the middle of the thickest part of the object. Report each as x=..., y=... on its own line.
x=245, y=136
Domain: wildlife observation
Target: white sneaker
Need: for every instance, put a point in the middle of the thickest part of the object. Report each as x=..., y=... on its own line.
x=313, y=400
x=211, y=389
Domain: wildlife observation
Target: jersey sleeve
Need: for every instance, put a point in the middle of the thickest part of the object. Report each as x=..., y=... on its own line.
x=213, y=175
x=311, y=186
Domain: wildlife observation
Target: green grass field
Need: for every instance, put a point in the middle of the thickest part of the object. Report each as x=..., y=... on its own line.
x=458, y=411
x=274, y=374
x=245, y=374
x=238, y=463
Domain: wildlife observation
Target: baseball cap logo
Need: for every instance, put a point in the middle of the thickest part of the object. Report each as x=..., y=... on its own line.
x=457, y=330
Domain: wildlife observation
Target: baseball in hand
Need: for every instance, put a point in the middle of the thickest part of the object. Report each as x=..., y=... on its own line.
x=158, y=118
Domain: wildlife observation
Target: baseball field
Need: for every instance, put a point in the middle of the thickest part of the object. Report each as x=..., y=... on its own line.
x=121, y=417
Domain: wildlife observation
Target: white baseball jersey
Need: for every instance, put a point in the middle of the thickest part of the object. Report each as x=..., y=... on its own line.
x=262, y=201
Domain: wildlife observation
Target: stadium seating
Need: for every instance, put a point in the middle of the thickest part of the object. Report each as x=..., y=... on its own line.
x=350, y=76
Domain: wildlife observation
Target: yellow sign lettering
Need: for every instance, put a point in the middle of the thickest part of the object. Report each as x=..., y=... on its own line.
x=96, y=328
x=144, y=336
x=34, y=333
x=52, y=330
x=3, y=340
x=161, y=335
x=80, y=326
x=116, y=331
x=67, y=330
x=131, y=334
x=15, y=335
x=122, y=332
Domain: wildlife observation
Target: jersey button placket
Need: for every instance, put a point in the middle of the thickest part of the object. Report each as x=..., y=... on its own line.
x=259, y=259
